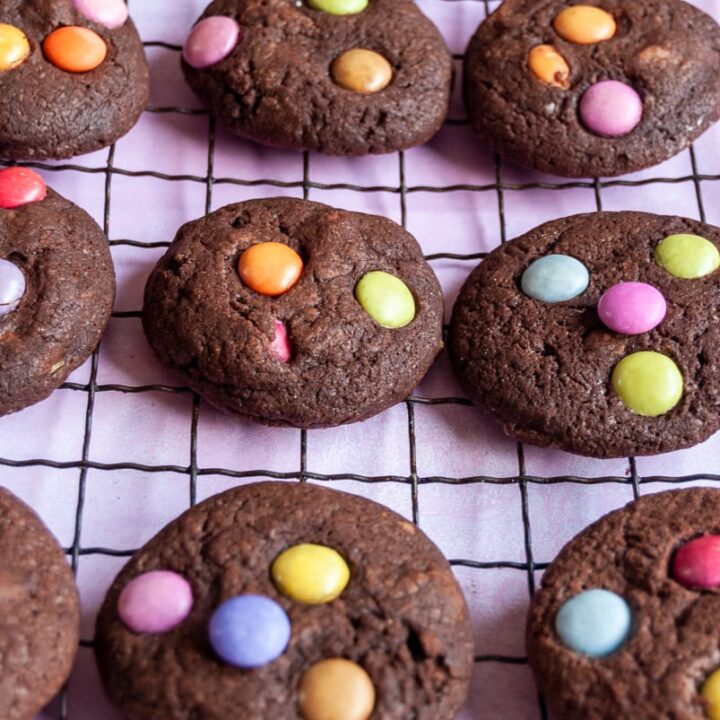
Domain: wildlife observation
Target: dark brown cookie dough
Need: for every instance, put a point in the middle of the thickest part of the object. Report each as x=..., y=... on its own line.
x=70, y=286
x=40, y=620
x=216, y=332
x=276, y=86
x=673, y=643
x=544, y=370
x=47, y=112
x=667, y=50
x=402, y=616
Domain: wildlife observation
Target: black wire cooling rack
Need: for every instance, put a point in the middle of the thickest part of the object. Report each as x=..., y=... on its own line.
x=412, y=480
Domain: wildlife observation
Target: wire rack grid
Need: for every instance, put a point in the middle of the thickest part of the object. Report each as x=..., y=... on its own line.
x=505, y=488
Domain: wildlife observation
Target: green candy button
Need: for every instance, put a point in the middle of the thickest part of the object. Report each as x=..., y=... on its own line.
x=339, y=7
x=687, y=256
x=386, y=299
x=649, y=383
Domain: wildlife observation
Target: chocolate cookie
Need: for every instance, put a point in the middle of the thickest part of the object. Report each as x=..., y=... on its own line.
x=56, y=288
x=345, y=77
x=602, y=88
x=597, y=334
x=625, y=623
x=40, y=623
x=286, y=600
x=295, y=313
x=73, y=77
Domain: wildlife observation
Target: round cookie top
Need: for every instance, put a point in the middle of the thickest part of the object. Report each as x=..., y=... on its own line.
x=344, y=77
x=633, y=560
x=74, y=81
x=392, y=639
x=596, y=88
x=295, y=313
x=57, y=286
x=595, y=334
x=40, y=626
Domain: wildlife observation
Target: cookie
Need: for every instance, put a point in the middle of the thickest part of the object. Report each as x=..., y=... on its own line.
x=286, y=600
x=73, y=77
x=295, y=313
x=344, y=77
x=596, y=89
x=39, y=630
x=596, y=334
x=57, y=286
x=625, y=622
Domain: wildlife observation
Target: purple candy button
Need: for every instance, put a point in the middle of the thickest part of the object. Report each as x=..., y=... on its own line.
x=110, y=13
x=611, y=108
x=211, y=41
x=12, y=286
x=155, y=602
x=632, y=308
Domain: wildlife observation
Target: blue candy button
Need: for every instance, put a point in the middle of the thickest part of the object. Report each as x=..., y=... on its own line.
x=595, y=622
x=249, y=631
x=555, y=278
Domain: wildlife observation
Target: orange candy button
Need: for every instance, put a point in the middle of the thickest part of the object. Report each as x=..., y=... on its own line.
x=549, y=66
x=14, y=46
x=75, y=49
x=270, y=268
x=585, y=24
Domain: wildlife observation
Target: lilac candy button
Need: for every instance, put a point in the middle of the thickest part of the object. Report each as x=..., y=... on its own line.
x=611, y=108
x=110, y=13
x=211, y=41
x=155, y=602
x=12, y=286
x=632, y=308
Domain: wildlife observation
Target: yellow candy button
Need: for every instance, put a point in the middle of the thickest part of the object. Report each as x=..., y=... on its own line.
x=585, y=24
x=687, y=256
x=312, y=574
x=386, y=299
x=649, y=383
x=549, y=66
x=362, y=71
x=14, y=46
x=336, y=689
x=711, y=695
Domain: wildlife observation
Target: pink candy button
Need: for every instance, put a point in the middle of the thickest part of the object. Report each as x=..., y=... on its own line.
x=632, y=308
x=20, y=186
x=155, y=602
x=697, y=563
x=211, y=41
x=280, y=346
x=110, y=13
x=611, y=108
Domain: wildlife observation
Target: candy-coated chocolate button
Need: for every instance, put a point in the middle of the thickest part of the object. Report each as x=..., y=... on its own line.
x=386, y=299
x=595, y=622
x=20, y=186
x=211, y=41
x=549, y=66
x=249, y=631
x=75, y=49
x=585, y=24
x=362, y=71
x=155, y=602
x=12, y=286
x=711, y=695
x=339, y=7
x=687, y=256
x=110, y=13
x=631, y=308
x=697, y=563
x=555, y=278
x=336, y=689
x=280, y=346
x=611, y=108
x=270, y=268
x=649, y=383
x=14, y=46
x=311, y=574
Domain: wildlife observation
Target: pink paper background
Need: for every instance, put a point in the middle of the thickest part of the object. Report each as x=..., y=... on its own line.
x=117, y=506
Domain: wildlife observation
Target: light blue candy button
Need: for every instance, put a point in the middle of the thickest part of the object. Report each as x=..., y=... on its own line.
x=595, y=622
x=555, y=278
